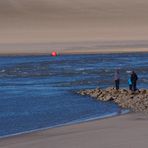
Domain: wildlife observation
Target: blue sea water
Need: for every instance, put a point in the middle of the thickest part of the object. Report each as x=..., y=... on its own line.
x=39, y=91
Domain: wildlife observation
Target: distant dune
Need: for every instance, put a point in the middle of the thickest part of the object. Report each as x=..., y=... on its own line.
x=55, y=21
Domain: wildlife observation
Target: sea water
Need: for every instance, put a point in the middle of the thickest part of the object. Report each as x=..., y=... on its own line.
x=38, y=92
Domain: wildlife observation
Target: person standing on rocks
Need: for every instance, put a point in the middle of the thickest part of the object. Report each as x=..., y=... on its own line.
x=134, y=79
x=117, y=79
x=130, y=83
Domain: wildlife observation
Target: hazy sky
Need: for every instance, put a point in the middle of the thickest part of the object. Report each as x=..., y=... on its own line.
x=46, y=21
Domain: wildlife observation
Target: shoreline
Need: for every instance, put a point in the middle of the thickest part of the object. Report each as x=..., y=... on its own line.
x=76, y=52
x=80, y=121
x=120, y=131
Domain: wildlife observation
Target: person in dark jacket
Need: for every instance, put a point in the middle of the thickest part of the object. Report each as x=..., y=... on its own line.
x=117, y=79
x=134, y=79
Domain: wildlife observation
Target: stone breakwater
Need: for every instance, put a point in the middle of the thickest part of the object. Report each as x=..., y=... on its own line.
x=136, y=101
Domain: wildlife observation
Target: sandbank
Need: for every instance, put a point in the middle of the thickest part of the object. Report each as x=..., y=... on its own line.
x=125, y=131
x=73, y=52
x=81, y=47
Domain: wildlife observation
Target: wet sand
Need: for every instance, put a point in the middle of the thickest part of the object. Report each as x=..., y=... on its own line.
x=125, y=131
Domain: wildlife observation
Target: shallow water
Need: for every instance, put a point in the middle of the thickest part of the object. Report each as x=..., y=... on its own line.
x=39, y=91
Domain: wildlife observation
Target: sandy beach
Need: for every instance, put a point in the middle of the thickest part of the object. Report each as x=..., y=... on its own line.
x=128, y=131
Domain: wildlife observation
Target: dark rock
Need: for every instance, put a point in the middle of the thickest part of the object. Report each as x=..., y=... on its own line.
x=137, y=101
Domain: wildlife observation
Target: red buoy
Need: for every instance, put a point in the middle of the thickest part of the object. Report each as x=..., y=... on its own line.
x=54, y=54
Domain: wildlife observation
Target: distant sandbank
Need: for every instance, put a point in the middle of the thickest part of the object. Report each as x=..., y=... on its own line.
x=75, y=47
x=106, y=51
x=100, y=51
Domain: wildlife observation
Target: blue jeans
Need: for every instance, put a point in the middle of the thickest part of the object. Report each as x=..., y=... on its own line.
x=117, y=82
x=134, y=86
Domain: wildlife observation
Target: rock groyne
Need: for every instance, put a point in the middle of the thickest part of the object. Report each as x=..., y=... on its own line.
x=137, y=101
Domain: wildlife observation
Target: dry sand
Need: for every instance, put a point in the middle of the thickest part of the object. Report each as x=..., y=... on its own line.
x=126, y=131
x=27, y=26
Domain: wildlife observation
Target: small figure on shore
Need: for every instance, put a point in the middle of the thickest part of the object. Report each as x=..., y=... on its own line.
x=134, y=79
x=130, y=83
x=117, y=79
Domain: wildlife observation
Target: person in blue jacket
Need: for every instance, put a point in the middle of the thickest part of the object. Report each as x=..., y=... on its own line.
x=130, y=83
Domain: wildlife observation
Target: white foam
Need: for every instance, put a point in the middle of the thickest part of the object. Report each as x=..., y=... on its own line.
x=3, y=70
x=128, y=71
